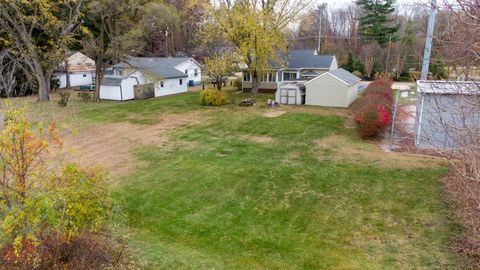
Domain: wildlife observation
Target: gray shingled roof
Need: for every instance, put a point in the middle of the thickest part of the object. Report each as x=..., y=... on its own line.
x=345, y=76
x=161, y=66
x=112, y=80
x=308, y=59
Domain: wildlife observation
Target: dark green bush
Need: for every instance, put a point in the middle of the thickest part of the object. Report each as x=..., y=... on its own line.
x=213, y=97
x=64, y=98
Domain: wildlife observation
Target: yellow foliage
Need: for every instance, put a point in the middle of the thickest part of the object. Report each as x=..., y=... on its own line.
x=212, y=97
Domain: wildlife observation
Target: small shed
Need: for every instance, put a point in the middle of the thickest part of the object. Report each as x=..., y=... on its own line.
x=335, y=88
x=290, y=93
x=115, y=87
x=447, y=114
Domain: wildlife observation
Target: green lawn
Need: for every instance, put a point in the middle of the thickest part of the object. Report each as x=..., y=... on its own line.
x=221, y=198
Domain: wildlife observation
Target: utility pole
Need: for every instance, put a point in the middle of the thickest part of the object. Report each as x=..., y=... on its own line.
x=428, y=41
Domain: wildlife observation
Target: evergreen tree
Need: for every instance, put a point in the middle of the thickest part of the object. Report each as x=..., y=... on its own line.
x=375, y=24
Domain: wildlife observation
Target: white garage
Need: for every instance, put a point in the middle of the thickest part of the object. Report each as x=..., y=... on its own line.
x=335, y=88
x=120, y=88
x=290, y=94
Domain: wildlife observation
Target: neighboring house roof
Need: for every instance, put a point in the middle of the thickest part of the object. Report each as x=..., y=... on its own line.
x=341, y=75
x=449, y=87
x=78, y=62
x=300, y=59
x=161, y=66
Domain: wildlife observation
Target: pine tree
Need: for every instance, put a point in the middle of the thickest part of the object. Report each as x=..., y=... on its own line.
x=375, y=24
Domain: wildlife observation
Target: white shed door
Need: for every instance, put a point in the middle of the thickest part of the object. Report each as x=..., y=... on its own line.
x=288, y=96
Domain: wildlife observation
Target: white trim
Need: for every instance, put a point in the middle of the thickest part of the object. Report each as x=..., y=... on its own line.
x=417, y=139
x=334, y=77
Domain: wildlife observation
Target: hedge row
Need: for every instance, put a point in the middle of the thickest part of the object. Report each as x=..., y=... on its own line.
x=373, y=111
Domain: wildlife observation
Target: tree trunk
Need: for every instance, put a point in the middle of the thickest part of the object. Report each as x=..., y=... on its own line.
x=254, y=82
x=43, y=86
x=99, y=61
x=219, y=83
x=67, y=75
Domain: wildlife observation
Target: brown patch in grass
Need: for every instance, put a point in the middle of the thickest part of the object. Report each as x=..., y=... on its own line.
x=273, y=113
x=259, y=139
x=317, y=110
x=342, y=148
x=109, y=145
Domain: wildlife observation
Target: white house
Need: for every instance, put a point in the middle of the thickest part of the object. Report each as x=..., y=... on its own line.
x=299, y=65
x=78, y=70
x=159, y=74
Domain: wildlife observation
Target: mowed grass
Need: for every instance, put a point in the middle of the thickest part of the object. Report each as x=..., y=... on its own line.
x=242, y=191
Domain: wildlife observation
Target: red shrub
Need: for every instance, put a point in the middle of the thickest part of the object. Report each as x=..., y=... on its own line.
x=372, y=112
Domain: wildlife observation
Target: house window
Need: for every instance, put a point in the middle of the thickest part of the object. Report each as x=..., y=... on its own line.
x=84, y=75
x=246, y=77
x=272, y=77
x=195, y=72
x=161, y=84
x=265, y=77
x=186, y=71
x=289, y=76
x=181, y=81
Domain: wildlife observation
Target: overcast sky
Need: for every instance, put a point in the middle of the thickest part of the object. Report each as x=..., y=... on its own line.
x=343, y=2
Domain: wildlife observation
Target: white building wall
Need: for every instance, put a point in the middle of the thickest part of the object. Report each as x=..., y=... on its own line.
x=128, y=88
x=76, y=79
x=352, y=93
x=190, y=65
x=171, y=86
x=328, y=91
x=110, y=92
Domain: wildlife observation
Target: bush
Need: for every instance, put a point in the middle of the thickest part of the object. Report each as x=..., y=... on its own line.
x=372, y=112
x=43, y=213
x=84, y=96
x=212, y=97
x=357, y=73
x=64, y=97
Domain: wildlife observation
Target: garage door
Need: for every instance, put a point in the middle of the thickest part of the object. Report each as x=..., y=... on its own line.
x=288, y=96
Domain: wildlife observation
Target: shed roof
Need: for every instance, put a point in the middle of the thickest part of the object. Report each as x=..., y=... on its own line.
x=341, y=75
x=161, y=66
x=345, y=76
x=110, y=80
x=449, y=87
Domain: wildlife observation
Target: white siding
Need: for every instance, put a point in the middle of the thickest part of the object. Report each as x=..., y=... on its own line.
x=76, y=79
x=190, y=66
x=127, y=88
x=334, y=64
x=171, y=86
x=110, y=92
x=328, y=91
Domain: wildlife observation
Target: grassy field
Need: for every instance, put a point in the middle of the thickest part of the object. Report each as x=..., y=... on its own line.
x=239, y=190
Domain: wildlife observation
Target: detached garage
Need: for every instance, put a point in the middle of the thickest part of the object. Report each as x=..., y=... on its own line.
x=116, y=87
x=335, y=88
x=291, y=93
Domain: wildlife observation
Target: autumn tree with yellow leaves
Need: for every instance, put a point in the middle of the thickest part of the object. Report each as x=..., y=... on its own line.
x=43, y=209
x=257, y=30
